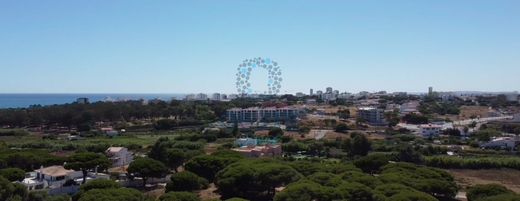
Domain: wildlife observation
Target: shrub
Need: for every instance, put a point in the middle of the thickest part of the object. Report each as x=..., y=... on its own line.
x=13, y=174
x=179, y=196
x=478, y=192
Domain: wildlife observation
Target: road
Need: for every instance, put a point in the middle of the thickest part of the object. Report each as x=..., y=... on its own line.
x=480, y=120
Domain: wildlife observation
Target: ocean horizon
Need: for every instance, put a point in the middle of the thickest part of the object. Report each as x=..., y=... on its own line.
x=23, y=100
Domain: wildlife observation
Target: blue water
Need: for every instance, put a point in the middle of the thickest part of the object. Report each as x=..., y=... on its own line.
x=26, y=100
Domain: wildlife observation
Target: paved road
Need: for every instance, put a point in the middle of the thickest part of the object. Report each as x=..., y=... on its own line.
x=480, y=120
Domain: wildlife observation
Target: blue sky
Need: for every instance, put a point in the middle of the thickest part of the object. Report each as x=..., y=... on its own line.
x=100, y=46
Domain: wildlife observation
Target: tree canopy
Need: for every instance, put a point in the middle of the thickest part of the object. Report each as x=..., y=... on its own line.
x=12, y=191
x=146, y=168
x=186, y=181
x=208, y=166
x=254, y=179
x=113, y=194
x=13, y=174
x=179, y=196
x=87, y=161
x=478, y=192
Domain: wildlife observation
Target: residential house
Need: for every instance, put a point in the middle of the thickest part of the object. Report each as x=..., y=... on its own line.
x=260, y=151
x=119, y=156
x=502, y=143
x=430, y=130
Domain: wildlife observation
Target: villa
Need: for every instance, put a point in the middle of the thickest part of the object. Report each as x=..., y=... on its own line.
x=119, y=156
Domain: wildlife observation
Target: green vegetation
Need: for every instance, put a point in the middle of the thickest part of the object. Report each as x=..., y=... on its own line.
x=12, y=191
x=86, y=162
x=486, y=134
x=146, y=168
x=82, y=116
x=357, y=145
x=347, y=166
x=179, y=196
x=12, y=174
x=442, y=108
x=254, y=179
x=491, y=192
x=27, y=160
x=415, y=119
x=481, y=191
x=341, y=127
x=113, y=194
x=186, y=181
x=208, y=166
x=473, y=163
x=13, y=132
x=397, y=182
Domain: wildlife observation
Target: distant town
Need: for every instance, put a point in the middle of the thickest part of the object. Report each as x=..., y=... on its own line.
x=198, y=146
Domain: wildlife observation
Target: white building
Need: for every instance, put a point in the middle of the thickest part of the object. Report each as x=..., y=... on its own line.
x=109, y=131
x=201, y=96
x=329, y=97
x=430, y=130
x=373, y=116
x=512, y=97
x=119, y=156
x=502, y=143
x=190, y=97
x=409, y=107
x=300, y=94
x=232, y=96
x=54, y=177
x=216, y=97
x=329, y=90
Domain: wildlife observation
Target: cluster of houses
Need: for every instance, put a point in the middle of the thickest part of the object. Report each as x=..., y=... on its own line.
x=255, y=148
x=59, y=180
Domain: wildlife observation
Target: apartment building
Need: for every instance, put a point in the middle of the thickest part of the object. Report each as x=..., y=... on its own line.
x=270, y=114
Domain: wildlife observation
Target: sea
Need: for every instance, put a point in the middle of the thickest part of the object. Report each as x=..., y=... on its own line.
x=26, y=100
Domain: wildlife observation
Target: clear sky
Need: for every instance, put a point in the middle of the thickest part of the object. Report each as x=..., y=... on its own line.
x=100, y=46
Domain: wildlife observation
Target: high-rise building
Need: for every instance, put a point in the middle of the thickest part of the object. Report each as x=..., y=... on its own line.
x=430, y=90
x=329, y=90
x=311, y=92
x=271, y=114
x=216, y=96
x=201, y=96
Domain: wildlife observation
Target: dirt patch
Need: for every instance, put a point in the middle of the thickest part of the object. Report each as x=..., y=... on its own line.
x=210, y=193
x=211, y=148
x=155, y=193
x=505, y=177
x=473, y=111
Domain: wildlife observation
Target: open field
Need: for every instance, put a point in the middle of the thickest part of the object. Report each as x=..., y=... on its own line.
x=38, y=141
x=506, y=177
x=478, y=111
